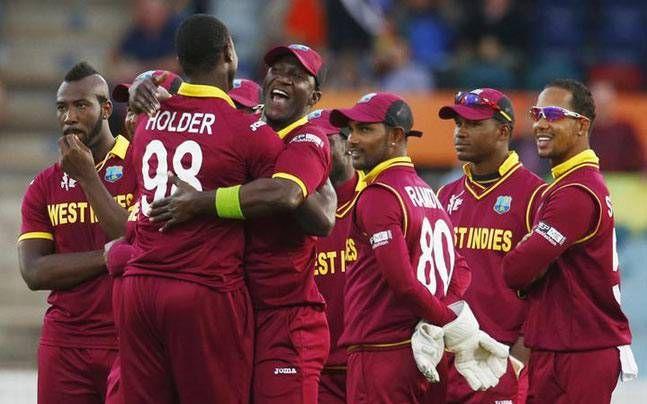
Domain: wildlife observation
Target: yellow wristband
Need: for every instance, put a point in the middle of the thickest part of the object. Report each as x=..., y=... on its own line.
x=228, y=203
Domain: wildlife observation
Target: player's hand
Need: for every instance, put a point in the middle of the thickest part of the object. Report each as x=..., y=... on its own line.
x=428, y=348
x=75, y=158
x=145, y=95
x=478, y=357
x=177, y=208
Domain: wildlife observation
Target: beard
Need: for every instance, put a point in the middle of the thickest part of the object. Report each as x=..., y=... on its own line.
x=93, y=135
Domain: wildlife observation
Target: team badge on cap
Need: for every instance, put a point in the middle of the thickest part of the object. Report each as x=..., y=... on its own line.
x=366, y=98
x=502, y=204
x=300, y=47
x=114, y=173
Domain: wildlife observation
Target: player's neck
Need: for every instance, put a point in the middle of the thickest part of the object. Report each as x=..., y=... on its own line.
x=215, y=79
x=103, y=145
x=278, y=124
x=345, y=174
x=489, y=166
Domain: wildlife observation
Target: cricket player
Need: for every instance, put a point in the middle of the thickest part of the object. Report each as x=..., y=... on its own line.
x=186, y=320
x=491, y=208
x=568, y=263
x=406, y=267
x=61, y=243
x=335, y=253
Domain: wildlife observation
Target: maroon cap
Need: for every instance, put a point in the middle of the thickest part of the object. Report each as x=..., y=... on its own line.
x=171, y=83
x=388, y=108
x=321, y=119
x=478, y=105
x=307, y=56
x=246, y=93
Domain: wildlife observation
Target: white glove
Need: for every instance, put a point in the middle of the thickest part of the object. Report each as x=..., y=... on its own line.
x=478, y=357
x=428, y=349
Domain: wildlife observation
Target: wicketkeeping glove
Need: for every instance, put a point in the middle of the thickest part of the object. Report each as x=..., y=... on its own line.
x=428, y=348
x=477, y=356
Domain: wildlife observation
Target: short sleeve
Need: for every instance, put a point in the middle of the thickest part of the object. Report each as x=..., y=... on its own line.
x=305, y=160
x=35, y=217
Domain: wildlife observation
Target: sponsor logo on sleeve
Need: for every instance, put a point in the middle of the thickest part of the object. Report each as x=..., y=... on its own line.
x=380, y=238
x=254, y=126
x=308, y=137
x=67, y=182
x=114, y=173
x=502, y=204
x=550, y=233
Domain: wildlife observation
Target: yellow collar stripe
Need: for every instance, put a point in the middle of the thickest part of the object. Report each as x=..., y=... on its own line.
x=378, y=169
x=508, y=164
x=119, y=149
x=587, y=156
x=285, y=131
x=204, y=91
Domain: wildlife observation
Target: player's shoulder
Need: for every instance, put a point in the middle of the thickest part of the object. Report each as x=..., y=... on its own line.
x=451, y=186
x=529, y=177
x=50, y=175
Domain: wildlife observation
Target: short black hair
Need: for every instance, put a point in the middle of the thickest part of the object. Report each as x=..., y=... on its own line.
x=199, y=42
x=582, y=102
x=80, y=71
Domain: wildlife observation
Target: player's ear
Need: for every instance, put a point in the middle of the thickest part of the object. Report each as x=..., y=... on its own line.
x=584, y=126
x=106, y=109
x=396, y=135
x=228, y=51
x=314, y=97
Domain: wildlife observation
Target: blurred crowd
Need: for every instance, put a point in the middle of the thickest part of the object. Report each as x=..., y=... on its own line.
x=421, y=45
x=417, y=45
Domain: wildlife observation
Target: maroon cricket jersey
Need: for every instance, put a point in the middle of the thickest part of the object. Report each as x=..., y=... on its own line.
x=206, y=142
x=569, y=264
x=406, y=258
x=280, y=258
x=334, y=254
x=488, y=223
x=56, y=208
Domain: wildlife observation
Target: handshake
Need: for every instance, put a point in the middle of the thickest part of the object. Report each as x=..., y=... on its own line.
x=478, y=357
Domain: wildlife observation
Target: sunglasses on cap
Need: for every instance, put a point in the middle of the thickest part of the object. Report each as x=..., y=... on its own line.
x=474, y=100
x=552, y=114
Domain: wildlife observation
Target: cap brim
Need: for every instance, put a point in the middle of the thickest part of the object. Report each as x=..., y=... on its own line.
x=120, y=92
x=273, y=55
x=414, y=133
x=470, y=113
x=341, y=117
x=244, y=101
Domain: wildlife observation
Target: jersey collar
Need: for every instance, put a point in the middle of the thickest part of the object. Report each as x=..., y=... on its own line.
x=587, y=157
x=204, y=91
x=508, y=164
x=299, y=122
x=383, y=166
x=119, y=150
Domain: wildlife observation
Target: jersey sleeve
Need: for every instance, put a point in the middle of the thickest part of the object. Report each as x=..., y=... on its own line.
x=305, y=160
x=35, y=217
x=568, y=215
x=260, y=146
x=380, y=216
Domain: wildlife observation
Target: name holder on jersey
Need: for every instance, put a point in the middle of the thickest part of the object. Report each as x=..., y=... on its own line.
x=550, y=233
x=380, y=238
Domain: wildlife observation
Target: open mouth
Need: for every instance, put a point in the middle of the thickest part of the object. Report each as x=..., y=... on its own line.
x=73, y=131
x=278, y=95
x=543, y=140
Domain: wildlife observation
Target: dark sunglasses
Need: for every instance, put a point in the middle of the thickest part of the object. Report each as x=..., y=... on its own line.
x=552, y=114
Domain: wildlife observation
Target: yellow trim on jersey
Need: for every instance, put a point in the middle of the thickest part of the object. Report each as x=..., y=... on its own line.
x=361, y=184
x=588, y=157
x=285, y=131
x=597, y=200
x=508, y=164
x=345, y=208
x=565, y=174
x=36, y=234
x=352, y=348
x=295, y=179
x=119, y=149
x=378, y=169
x=204, y=91
x=530, y=203
x=402, y=205
x=468, y=181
